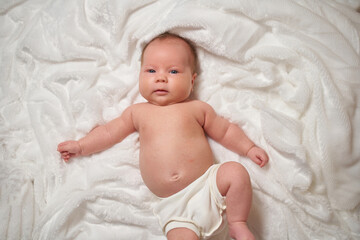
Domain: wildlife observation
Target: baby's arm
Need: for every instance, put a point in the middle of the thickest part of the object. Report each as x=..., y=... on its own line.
x=232, y=137
x=100, y=138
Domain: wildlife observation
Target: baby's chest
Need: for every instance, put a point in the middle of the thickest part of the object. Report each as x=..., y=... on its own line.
x=171, y=123
x=175, y=120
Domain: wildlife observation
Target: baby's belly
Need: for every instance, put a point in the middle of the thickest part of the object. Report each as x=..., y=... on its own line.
x=167, y=173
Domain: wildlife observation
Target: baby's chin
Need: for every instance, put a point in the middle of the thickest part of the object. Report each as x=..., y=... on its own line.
x=165, y=102
x=162, y=103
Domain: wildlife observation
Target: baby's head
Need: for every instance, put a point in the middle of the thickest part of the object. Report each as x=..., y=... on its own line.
x=169, y=36
x=168, y=70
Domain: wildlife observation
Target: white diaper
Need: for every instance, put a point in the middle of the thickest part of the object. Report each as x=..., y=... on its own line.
x=198, y=207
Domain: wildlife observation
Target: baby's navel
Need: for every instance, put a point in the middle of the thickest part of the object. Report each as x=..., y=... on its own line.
x=175, y=177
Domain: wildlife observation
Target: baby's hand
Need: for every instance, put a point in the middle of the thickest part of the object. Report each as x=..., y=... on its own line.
x=258, y=155
x=69, y=149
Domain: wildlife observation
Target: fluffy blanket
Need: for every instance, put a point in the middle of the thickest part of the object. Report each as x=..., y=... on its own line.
x=287, y=71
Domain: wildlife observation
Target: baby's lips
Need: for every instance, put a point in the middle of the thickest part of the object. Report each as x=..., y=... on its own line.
x=161, y=92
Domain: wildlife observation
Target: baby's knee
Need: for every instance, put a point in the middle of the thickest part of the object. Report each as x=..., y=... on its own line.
x=231, y=173
x=234, y=169
x=181, y=233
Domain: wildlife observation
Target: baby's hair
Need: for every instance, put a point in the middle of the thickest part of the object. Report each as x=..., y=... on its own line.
x=167, y=35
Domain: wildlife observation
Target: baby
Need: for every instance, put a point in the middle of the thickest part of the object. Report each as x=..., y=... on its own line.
x=176, y=160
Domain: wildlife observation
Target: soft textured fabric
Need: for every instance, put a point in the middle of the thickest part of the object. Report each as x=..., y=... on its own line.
x=286, y=71
x=198, y=207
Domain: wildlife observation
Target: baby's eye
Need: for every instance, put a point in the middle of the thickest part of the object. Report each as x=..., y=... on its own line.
x=151, y=70
x=174, y=72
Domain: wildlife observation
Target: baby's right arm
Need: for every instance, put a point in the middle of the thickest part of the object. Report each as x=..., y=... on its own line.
x=100, y=138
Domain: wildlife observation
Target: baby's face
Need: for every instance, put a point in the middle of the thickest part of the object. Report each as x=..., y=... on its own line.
x=166, y=76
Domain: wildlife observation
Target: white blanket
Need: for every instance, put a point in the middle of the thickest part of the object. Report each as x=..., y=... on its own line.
x=287, y=71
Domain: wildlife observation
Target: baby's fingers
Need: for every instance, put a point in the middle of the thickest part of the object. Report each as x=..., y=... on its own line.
x=263, y=163
x=65, y=156
x=257, y=160
x=72, y=147
x=63, y=147
x=264, y=160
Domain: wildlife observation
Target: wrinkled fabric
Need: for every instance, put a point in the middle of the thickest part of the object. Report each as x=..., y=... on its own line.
x=286, y=71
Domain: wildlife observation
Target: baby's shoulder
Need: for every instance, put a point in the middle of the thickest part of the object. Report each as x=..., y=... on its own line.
x=138, y=112
x=201, y=110
x=139, y=107
x=200, y=105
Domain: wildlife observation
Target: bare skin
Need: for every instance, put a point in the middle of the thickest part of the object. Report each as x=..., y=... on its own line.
x=173, y=131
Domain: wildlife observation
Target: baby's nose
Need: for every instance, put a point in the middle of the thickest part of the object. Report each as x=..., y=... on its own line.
x=161, y=78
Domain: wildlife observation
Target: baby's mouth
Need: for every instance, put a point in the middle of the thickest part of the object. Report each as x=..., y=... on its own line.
x=161, y=91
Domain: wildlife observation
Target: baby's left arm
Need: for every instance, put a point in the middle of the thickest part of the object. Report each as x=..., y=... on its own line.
x=232, y=137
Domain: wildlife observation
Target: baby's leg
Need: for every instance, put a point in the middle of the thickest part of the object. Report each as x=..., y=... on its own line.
x=182, y=234
x=233, y=182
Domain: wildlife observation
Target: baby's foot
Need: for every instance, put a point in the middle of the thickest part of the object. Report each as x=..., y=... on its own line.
x=240, y=231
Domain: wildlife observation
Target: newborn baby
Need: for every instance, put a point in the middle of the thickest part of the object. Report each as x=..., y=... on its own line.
x=176, y=160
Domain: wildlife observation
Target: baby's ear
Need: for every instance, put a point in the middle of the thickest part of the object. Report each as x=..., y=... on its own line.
x=193, y=78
